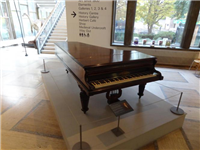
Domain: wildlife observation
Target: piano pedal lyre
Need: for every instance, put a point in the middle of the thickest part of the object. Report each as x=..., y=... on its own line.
x=113, y=96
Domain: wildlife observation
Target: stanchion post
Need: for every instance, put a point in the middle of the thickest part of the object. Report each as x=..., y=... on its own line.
x=44, y=71
x=80, y=137
x=81, y=145
x=177, y=110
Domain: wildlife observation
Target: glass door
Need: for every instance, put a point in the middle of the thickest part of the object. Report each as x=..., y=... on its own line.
x=6, y=31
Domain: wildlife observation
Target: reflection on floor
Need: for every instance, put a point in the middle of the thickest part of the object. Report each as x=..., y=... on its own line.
x=28, y=120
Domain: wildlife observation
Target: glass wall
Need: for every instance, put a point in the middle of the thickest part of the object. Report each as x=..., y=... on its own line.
x=120, y=21
x=196, y=35
x=158, y=23
x=5, y=27
x=27, y=16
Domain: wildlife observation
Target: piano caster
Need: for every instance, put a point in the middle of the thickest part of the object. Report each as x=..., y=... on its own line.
x=67, y=71
x=140, y=96
x=141, y=90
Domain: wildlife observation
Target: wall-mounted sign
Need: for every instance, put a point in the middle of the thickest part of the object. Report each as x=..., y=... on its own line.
x=89, y=21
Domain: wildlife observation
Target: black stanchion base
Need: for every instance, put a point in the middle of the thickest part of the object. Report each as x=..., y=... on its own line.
x=117, y=131
x=85, y=146
x=177, y=112
x=44, y=71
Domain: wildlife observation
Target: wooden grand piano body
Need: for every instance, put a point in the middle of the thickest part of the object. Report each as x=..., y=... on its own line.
x=99, y=70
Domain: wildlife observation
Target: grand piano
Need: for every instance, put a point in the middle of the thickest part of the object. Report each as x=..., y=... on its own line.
x=97, y=70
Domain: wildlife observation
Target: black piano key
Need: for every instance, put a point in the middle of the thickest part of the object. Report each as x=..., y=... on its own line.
x=97, y=82
x=102, y=81
x=112, y=80
x=129, y=76
x=107, y=80
x=120, y=78
x=93, y=83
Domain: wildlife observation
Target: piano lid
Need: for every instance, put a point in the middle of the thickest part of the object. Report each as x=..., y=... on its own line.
x=93, y=56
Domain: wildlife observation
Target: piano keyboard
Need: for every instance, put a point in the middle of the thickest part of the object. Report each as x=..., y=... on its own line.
x=117, y=80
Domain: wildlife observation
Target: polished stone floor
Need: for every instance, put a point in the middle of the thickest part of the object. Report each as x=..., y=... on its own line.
x=28, y=120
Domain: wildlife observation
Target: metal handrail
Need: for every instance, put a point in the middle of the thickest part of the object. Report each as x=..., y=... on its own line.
x=46, y=29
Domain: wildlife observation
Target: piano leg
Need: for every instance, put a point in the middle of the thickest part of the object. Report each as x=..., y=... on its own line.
x=84, y=101
x=141, y=90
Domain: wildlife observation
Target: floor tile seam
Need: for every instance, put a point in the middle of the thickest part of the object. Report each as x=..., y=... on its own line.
x=39, y=134
x=192, y=120
x=12, y=105
x=1, y=113
x=155, y=143
x=174, y=88
x=179, y=74
x=24, y=117
x=35, y=87
x=21, y=75
x=187, y=141
x=190, y=106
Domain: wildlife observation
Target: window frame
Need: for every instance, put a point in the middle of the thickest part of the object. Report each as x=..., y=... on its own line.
x=189, y=28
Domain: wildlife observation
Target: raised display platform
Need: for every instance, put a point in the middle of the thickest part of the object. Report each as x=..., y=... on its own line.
x=150, y=119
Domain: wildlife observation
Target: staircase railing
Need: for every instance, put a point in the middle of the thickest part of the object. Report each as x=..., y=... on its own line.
x=46, y=29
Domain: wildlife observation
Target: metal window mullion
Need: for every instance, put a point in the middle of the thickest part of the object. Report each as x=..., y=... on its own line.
x=190, y=24
x=114, y=7
x=130, y=19
x=11, y=20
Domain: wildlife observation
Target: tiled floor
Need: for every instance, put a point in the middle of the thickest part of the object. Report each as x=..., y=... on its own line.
x=28, y=120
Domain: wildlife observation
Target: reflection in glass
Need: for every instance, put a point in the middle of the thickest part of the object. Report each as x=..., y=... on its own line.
x=24, y=9
x=4, y=9
x=12, y=5
x=1, y=13
x=16, y=24
x=5, y=32
x=32, y=6
x=195, y=43
x=156, y=21
x=120, y=21
x=160, y=21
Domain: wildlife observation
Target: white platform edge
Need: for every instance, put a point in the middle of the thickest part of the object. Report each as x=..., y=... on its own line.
x=134, y=143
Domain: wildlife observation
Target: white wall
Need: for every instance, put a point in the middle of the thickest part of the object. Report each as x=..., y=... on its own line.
x=98, y=23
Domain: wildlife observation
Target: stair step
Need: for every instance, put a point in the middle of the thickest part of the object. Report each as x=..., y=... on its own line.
x=60, y=28
x=54, y=41
x=61, y=24
x=48, y=52
x=59, y=31
x=59, y=34
x=49, y=48
x=57, y=38
x=49, y=44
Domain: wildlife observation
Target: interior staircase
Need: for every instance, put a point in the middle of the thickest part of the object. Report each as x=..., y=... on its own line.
x=59, y=33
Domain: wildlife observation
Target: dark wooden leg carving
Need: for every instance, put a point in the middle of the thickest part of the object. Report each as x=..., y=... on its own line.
x=84, y=101
x=141, y=90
